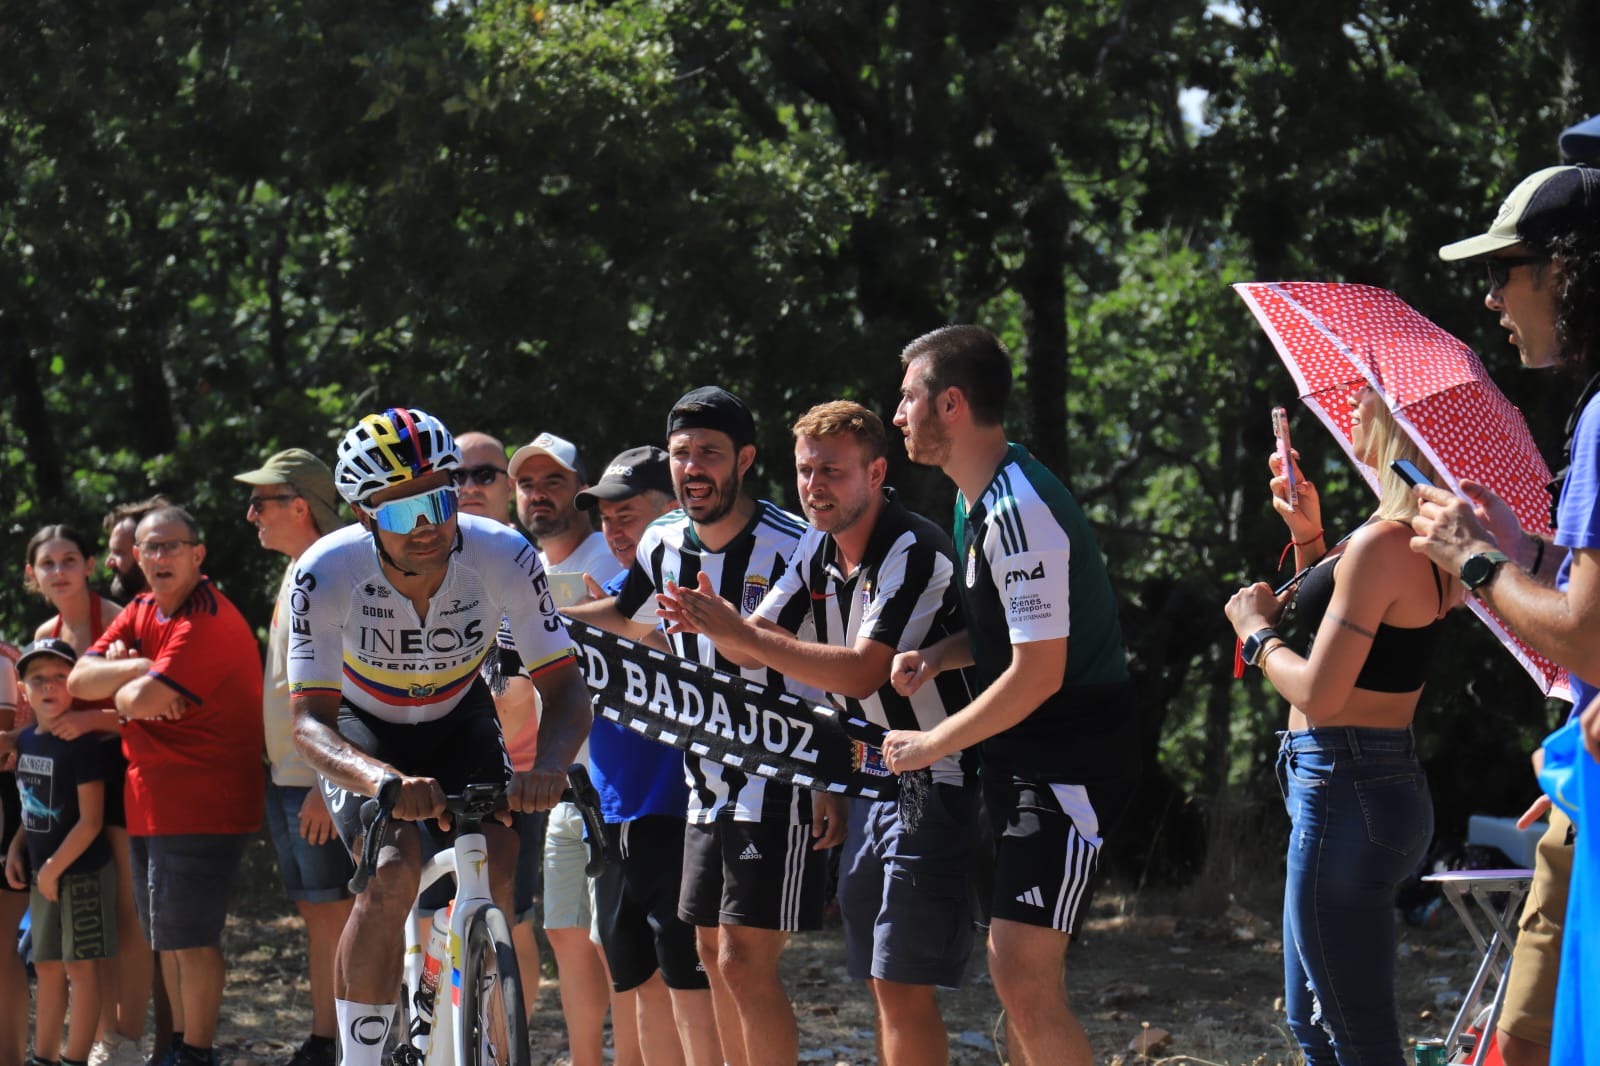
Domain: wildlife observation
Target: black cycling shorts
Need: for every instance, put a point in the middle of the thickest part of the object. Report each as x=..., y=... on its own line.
x=463, y=748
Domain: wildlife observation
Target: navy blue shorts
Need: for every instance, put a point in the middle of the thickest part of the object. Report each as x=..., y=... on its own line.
x=312, y=873
x=529, y=826
x=903, y=894
x=182, y=883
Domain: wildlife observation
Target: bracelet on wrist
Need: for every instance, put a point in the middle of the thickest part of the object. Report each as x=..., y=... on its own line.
x=1293, y=544
x=1261, y=660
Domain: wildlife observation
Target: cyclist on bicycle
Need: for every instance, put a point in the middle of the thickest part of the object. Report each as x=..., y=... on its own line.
x=391, y=620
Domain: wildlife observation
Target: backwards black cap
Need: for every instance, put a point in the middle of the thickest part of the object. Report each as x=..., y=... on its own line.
x=713, y=408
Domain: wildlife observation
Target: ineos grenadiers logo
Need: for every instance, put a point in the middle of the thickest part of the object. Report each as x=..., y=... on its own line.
x=305, y=583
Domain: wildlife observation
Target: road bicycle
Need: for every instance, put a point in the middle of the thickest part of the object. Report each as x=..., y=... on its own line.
x=478, y=1017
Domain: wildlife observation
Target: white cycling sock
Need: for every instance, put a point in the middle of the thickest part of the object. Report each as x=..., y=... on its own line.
x=363, y=1029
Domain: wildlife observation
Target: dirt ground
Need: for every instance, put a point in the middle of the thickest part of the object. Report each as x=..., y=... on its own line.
x=1209, y=972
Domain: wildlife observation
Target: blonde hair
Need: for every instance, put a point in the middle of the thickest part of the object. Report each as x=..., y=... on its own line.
x=845, y=416
x=1390, y=442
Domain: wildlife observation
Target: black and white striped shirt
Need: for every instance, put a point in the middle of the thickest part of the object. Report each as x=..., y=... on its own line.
x=902, y=595
x=743, y=572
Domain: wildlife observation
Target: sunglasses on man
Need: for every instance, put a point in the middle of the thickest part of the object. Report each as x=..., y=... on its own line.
x=1500, y=267
x=482, y=474
x=401, y=516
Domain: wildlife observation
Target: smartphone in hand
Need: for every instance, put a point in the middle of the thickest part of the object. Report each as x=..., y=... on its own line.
x=1409, y=473
x=1280, y=430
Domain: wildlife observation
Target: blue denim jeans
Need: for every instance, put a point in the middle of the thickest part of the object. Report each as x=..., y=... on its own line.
x=1361, y=819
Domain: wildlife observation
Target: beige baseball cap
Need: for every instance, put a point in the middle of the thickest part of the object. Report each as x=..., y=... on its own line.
x=309, y=476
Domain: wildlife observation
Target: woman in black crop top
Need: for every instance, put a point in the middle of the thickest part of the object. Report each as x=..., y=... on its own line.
x=1357, y=799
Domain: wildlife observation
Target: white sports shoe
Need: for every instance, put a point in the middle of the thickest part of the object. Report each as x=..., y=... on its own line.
x=116, y=1050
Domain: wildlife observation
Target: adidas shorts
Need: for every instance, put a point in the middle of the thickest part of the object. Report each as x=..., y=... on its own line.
x=1047, y=846
x=759, y=874
x=636, y=906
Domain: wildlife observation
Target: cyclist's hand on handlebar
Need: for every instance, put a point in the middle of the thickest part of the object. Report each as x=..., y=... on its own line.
x=420, y=798
x=535, y=790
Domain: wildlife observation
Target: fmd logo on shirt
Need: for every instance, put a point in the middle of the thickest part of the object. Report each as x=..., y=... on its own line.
x=1036, y=574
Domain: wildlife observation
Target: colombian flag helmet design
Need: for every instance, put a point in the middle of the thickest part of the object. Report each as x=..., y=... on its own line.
x=390, y=449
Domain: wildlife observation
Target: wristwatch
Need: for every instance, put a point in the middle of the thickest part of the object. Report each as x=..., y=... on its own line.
x=1251, y=654
x=1479, y=569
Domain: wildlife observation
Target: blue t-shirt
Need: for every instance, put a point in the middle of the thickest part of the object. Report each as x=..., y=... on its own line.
x=49, y=771
x=635, y=776
x=1578, y=519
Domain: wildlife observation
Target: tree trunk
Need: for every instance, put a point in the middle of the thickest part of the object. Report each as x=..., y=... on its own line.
x=44, y=458
x=1042, y=284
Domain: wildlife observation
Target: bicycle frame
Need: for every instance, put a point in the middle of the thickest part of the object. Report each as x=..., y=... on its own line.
x=465, y=863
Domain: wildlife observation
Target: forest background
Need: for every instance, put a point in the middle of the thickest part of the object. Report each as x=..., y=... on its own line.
x=227, y=229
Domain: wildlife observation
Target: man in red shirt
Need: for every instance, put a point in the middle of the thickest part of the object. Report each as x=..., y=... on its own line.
x=185, y=672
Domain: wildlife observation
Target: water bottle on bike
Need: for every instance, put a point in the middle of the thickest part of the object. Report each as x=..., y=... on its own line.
x=433, y=960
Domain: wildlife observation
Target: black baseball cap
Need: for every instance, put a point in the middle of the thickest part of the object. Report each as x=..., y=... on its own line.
x=630, y=473
x=713, y=408
x=1545, y=204
x=48, y=646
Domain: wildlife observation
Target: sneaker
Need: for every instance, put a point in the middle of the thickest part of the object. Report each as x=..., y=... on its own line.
x=314, y=1052
x=115, y=1050
x=167, y=1056
x=124, y=1052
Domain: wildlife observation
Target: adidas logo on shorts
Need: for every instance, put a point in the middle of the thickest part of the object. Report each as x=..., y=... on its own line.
x=1033, y=897
x=749, y=852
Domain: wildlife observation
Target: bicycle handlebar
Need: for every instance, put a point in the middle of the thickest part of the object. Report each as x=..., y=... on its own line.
x=475, y=803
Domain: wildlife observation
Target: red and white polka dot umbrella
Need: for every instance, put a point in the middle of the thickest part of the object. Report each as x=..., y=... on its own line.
x=1335, y=338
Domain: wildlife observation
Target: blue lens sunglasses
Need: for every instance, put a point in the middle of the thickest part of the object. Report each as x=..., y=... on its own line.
x=400, y=516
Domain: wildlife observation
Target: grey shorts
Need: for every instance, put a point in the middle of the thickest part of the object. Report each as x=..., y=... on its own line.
x=568, y=896
x=182, y=884
x=903, y=893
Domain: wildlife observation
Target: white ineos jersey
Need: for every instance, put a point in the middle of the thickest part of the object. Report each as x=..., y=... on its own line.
x=352, y=633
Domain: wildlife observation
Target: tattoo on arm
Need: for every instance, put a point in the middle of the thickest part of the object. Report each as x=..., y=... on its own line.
x=1369, y=634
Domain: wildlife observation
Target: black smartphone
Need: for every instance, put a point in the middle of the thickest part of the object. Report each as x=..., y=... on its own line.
x=1409, y=473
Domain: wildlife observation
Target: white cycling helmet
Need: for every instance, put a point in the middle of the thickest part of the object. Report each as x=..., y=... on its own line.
x=390, y=449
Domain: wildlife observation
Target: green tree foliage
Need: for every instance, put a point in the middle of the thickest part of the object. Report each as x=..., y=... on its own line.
x=227, y=231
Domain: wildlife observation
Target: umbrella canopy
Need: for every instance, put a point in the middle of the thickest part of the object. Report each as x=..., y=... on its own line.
x=1336, y=337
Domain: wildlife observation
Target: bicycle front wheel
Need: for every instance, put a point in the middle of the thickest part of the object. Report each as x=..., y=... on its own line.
x=493, y=1018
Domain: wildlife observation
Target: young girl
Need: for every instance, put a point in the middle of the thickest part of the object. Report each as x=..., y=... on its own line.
x=59, y=562
x=1358, y=802
x=62, y=787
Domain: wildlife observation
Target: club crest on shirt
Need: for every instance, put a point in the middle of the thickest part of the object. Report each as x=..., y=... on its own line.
x=866, y=759
x=972, y=566
x=755, y=590
x=866, y=594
